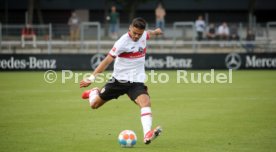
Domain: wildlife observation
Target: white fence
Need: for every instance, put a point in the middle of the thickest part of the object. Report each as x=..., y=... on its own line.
x=179, y=37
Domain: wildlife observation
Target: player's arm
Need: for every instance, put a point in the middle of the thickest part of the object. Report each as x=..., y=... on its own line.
x=155, y=32
x=100, y=68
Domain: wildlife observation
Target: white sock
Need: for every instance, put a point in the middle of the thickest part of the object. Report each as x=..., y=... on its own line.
x=146, y=119
x=92, y=96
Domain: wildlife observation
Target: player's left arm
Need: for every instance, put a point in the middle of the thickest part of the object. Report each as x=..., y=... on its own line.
x=155, y=32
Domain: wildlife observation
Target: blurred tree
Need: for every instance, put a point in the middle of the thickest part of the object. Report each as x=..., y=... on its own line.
x=34, y=4
x=251, y=9
x=106, y=7
x=130, y=6
x=30, y=11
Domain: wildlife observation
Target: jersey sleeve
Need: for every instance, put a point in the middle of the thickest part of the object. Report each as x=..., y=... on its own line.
x=148, y=36
x=117, y=49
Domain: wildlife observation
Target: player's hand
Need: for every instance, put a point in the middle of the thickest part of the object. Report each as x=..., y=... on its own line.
x=85, y=83
x=158, y=31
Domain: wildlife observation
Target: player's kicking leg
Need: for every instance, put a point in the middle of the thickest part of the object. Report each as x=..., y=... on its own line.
x=93, y=96
x=152, y=134
x=143, y=101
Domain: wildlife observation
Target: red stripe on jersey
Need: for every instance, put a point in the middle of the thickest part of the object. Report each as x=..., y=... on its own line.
x=138, y=54
x=145, y=114
x=148, y=36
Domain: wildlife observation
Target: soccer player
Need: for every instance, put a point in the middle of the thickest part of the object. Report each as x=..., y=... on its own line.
x=128, y=75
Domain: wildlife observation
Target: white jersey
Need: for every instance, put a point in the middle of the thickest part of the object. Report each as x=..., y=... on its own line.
x=130, y=58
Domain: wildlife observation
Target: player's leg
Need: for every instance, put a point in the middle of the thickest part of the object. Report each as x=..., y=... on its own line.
x=143, y=101
x=146, y=116
x=93, y=97
x=98, y=102
x=112, y=90
x=139, y=94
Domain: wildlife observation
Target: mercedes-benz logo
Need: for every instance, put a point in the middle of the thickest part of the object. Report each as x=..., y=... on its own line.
x=233, y=61
x=96, y=60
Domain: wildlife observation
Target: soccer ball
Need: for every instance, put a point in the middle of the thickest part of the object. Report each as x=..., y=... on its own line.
x=127, y=138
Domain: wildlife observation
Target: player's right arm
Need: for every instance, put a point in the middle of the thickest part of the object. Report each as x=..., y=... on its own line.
x=100, y=68
x=103, y=65
x=113, y=53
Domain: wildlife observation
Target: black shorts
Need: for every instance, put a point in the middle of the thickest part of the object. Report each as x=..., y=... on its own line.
x=115, y=88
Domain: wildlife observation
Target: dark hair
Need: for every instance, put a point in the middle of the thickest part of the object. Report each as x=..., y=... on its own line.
x=139, y=23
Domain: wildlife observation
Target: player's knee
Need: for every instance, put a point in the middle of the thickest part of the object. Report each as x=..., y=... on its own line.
x=146, y=104
x=94, y=106
x=97, y=103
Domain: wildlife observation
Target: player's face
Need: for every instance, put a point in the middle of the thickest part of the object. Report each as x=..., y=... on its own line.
x=135, y=33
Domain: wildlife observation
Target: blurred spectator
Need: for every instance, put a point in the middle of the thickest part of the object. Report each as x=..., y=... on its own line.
x=160, y=14
x=234, y=34
x=211, y=33
x=223, y=31
x=74, y=23
x=114, y=19
x=250, y=38
x=200, y=27
x=27, y=32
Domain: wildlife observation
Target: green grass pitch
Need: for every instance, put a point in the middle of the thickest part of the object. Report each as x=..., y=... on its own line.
x=36, y=116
